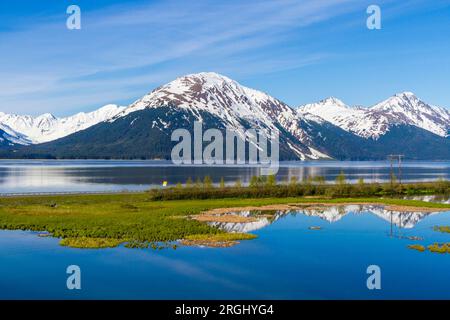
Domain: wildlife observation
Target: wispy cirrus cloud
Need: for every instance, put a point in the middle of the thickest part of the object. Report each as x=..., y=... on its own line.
x=124, y=50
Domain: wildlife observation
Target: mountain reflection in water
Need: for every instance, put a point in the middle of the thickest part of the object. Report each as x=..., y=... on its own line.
x=333, y=214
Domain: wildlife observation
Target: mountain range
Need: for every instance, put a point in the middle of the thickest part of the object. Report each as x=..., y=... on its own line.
x=46, y=127
x=329, y=129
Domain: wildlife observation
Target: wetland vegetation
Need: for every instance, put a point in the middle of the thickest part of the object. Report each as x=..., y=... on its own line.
x=147, y=219
x=267, y=186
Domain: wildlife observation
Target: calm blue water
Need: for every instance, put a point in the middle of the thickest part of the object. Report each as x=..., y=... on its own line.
x=38, y=176
x=287, y=261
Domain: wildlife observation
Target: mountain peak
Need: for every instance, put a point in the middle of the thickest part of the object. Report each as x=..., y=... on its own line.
x=47, y=116
x=406, y=94
x=333, y=101
x=400, y=102
x=225, y=99
x=330, y=104
x=208, y=79
x=207, y=74
x=214, y=93
x=406, y=108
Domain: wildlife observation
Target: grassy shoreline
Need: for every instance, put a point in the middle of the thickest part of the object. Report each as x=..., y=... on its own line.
x=268, y=186
x=108, y=220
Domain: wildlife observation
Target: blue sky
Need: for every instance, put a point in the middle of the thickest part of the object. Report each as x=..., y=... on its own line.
x=298, y=51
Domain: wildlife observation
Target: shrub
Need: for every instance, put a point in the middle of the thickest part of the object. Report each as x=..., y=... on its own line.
x=267, y=187
x=207, y=182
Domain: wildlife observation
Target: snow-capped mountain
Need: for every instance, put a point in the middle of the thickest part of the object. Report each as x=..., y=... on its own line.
x=213, y=93
x=232, y=103
x=400, y=109
x=46, y=127
x=356, y=120
x=407, y=108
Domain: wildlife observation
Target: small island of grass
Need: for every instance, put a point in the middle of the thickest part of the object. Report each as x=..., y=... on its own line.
x=439, y=248
x=417, y=247
x=435, y=247
x=444, y=229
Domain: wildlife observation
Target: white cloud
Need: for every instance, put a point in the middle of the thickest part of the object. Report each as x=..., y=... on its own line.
x=124, y=49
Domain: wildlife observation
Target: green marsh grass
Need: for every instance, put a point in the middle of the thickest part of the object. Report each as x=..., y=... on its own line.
x=97, y=221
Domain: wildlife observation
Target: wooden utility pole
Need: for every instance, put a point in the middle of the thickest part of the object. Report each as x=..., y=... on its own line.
x=398, y=158
x=391, y=172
